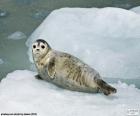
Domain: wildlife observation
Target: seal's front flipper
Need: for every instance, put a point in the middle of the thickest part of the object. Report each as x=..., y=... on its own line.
x=38, y=77
x=105, y=88
x=51, y=68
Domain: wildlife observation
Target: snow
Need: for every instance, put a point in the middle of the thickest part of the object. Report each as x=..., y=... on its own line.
x=17, y=35
x=136, y=9
x=1, y=61
x=20, y=92
x=105, y=38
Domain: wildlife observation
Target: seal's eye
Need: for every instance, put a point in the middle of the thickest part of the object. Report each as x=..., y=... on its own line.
x=42, y=46
x=34, y=46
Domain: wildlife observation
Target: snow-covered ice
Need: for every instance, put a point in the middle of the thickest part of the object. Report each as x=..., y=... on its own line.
x=106, y=38
x=136, y=9
x=1, y=61
x=20, y=92
x=17, y=35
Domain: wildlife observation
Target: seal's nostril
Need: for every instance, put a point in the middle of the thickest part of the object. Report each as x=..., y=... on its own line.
x=37, y=49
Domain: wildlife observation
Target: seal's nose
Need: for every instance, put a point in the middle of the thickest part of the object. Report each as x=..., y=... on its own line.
x=37, y=49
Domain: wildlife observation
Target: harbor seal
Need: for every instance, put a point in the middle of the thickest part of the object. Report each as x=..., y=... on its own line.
x=67, y=71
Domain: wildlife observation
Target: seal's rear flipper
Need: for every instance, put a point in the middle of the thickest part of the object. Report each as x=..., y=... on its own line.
x=104, y=87
x=38, y=77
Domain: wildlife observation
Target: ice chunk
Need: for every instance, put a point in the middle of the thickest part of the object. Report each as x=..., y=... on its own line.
x=106, y=38
x=20, y=92
x=1, y=61
x=136, y=9
x=17, y=35
x=3, y=13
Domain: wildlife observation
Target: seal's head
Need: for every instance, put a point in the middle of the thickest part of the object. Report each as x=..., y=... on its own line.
x=39, y=49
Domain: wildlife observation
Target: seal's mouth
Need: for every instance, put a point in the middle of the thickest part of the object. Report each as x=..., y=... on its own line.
x=37, y=53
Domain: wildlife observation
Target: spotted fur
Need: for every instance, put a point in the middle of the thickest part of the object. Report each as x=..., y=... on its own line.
x=67, y=71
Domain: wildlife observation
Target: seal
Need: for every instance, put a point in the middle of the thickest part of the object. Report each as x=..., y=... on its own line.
x=67, y=71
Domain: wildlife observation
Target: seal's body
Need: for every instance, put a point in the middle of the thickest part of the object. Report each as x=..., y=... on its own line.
x=67, y=71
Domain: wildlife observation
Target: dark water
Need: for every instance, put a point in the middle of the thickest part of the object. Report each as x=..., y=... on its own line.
x=26, y=15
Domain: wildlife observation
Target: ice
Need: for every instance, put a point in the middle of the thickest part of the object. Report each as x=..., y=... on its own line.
x=3, y=13
x=17, y=35
x=136, y=9
x=106, y=38
x=20, y=92
x=1, y=61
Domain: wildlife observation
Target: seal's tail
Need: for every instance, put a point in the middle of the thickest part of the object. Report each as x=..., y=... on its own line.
x=104, y=87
